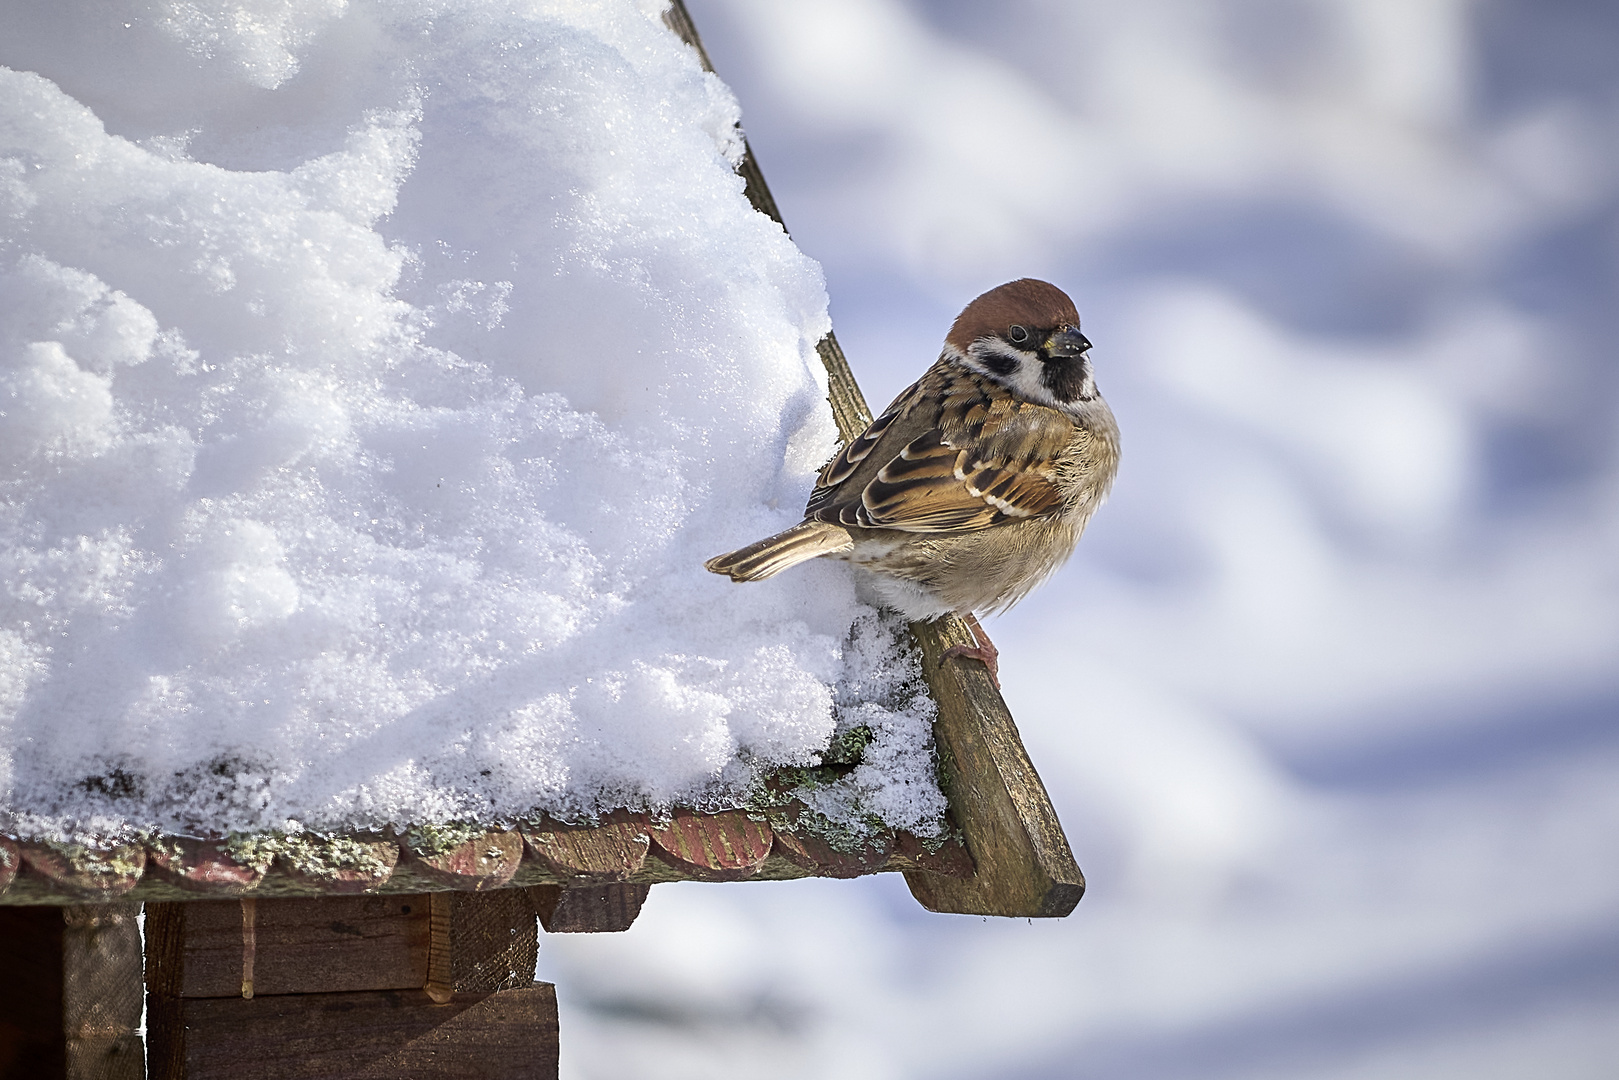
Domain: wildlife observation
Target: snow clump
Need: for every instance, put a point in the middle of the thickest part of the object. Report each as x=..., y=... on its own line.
x=374, y=379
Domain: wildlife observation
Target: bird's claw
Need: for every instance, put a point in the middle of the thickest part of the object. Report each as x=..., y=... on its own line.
x=984, y=652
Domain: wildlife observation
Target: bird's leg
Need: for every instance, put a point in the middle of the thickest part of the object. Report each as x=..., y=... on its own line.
x=985, y=651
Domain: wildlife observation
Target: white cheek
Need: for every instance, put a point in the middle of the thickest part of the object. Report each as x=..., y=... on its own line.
x=1026, y=381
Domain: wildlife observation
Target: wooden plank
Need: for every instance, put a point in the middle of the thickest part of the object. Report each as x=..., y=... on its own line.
x=202, y=866
x=301, y=946
x=365, y=1035
x=1024, y=865
x=607, y=908
x=70, y=998
x=507, y=1035
x=728, y=846
x=484, y=862
x=610, y=850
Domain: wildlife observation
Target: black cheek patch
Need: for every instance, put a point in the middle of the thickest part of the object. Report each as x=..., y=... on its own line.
x=1000, y=364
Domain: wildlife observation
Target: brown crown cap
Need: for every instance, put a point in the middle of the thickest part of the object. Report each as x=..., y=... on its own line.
x=1038, y=305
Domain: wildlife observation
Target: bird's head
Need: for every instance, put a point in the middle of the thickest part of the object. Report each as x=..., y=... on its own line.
x=1025, y=335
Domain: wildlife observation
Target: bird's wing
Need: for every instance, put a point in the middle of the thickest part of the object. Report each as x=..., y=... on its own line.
x=954, y=453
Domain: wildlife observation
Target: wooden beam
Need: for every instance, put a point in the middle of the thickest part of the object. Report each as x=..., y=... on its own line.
x=70, y=995
x=361, y=1035
x=430, y=985
x=1023, y=863
x=605, y=908
x=326, y=945
x=493, y=941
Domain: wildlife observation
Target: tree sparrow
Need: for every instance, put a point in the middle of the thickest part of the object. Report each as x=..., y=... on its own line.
x=975, y=484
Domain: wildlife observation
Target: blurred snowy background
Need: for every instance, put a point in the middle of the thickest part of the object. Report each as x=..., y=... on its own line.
x=1327, y=699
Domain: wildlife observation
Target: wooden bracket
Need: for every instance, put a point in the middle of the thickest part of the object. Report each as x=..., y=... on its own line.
x=588, y=909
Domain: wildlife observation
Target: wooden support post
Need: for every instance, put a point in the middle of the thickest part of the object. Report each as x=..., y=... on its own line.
x=70, y=993
x=432, y=985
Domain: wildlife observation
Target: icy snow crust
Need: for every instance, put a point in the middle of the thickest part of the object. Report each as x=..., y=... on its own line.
x=372, y=392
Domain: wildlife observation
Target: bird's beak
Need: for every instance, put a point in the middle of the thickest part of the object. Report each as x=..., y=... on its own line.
x=1066, y=342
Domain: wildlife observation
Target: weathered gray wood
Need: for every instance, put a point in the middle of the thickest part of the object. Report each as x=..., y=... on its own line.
x=1024, y=865
x=70, y=993
x=606, y=908
x=361, y=1035
x=101, y=992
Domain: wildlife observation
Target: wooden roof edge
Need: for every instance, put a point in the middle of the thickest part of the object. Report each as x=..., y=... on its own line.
x=1025, y=867
x=731, y=845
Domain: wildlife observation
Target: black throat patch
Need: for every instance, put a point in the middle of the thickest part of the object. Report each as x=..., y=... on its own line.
x=1068, y=378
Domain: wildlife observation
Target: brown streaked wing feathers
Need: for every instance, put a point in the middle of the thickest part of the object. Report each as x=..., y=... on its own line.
x=952, y=454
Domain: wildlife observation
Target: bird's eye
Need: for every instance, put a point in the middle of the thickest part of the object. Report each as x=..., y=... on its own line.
x=1017, y=335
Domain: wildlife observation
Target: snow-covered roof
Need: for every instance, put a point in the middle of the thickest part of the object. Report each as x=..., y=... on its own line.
x=373, y=382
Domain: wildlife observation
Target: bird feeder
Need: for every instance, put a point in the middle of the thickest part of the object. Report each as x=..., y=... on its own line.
x=386, y=955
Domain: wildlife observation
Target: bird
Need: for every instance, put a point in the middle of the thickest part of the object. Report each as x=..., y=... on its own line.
x=974, y=486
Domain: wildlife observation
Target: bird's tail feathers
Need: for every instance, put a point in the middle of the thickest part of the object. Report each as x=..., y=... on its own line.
x=773, y=554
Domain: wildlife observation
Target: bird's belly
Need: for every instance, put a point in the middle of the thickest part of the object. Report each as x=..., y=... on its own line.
x=923, y=575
